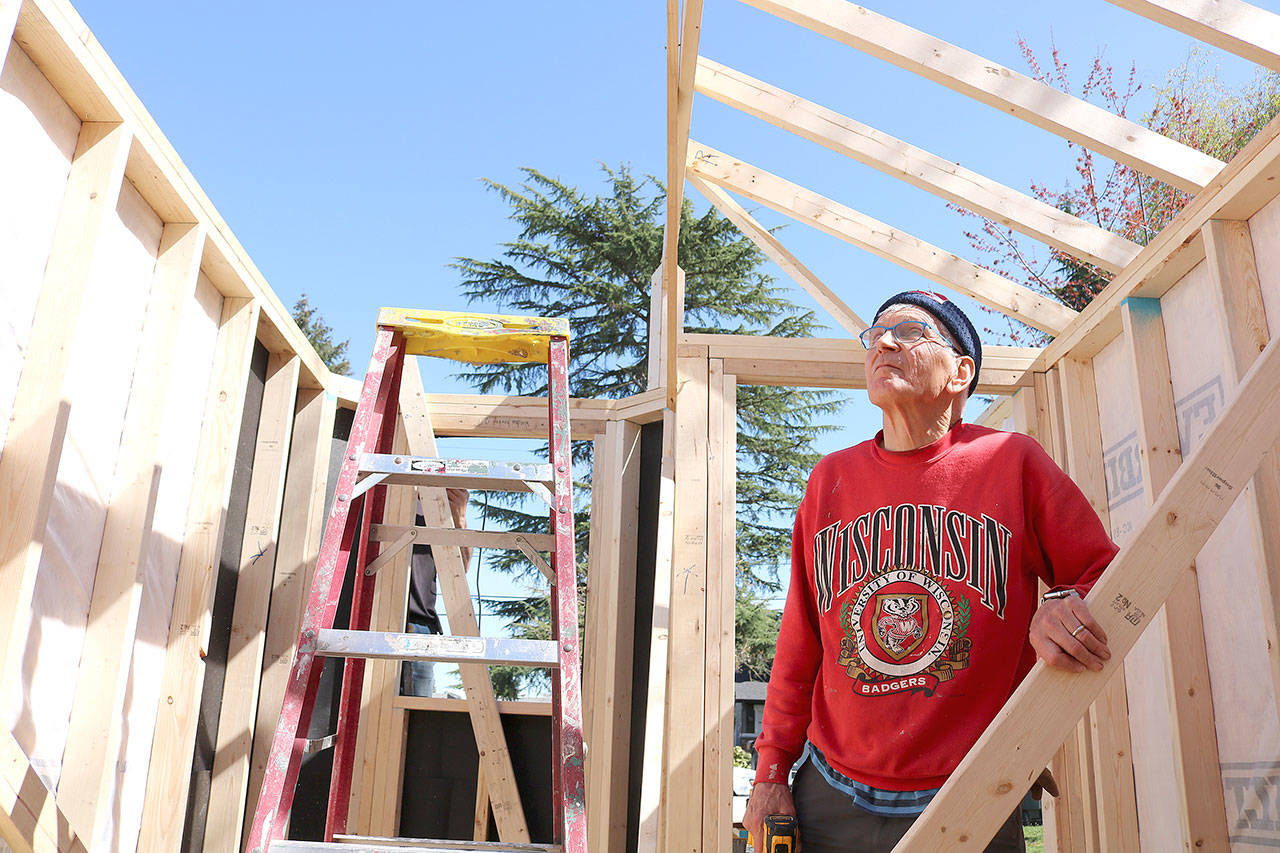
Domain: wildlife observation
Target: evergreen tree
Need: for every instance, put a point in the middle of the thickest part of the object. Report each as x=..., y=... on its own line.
x=320, y=335
x=590, y=259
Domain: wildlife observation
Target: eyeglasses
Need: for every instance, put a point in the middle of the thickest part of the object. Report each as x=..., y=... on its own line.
x=906, y=332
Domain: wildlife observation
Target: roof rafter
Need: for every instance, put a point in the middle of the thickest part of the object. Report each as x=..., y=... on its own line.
x=776, y=252
x=1000, y=87
x=916, y=166
x=1236, y=27
x=901, y=248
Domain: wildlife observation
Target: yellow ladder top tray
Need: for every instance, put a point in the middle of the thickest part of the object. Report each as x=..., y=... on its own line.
x=474, y=338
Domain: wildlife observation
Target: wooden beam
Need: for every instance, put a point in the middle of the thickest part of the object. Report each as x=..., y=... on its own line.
x=1246, y=329
x=181, y=684
x=460, y=538
x=1109, y=756
x=301, y=528
x=451, y=573
x=498, y=416
x=721, y=531
x=611, y=589
x=657, y=364
x=994, y=415
x=686, y=661
x=1002, y=88
x=679, y=113
x=8, y=20
x=1238, y=192
x=254, y=577
x=526, y=707
x=838, y=362
x=880, y=239
x=37, y=425
x=1180, y=625
x=30, y=820
x=776, y=252
x=918, y=167
x=375, y=807
x=65, y=56
x=88, y=781
x=652, y=778
x=1236, y=27
x=994, y=775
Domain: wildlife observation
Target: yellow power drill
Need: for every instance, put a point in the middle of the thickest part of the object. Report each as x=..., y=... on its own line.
x=780, y=833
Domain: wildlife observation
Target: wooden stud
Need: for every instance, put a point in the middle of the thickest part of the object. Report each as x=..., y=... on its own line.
x=490, y=740
x=721, y=588
x=1245, y=328
x=776, y=252
x=679, y=114
x=30, y=820
x=657, y=340
x=1201, y=810
x=499, y=416
x=8, y=20
x=169, y=775
x=480, y=824
x=653, y=779
x=1064, y=815
x=917, y=167
x=991, y=779
x=1237, y=27
x=37, y=426
x=1114, y=824
x=298, y=546
x=686, y=660
x=880, y=239
x=256, y=569
x=63, y=48
x=375, y=808
x=615, y=495
x=1002, y=88
x=87, y=784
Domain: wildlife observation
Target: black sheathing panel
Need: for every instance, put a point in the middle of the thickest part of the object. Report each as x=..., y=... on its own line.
x=215, y=663
x=646, y=561
x=441, y=760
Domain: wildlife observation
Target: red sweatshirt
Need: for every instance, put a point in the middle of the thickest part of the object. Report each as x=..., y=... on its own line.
x=913, y=583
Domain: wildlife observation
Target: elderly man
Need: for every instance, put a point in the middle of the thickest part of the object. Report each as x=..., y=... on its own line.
x=913, y=610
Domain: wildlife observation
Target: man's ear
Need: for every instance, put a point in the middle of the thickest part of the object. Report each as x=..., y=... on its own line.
x=963, y=375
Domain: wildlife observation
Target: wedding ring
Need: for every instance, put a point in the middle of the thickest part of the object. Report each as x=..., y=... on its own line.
x=1078, y=629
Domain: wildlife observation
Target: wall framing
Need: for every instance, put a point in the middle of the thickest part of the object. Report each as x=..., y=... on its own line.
x=1206, y=784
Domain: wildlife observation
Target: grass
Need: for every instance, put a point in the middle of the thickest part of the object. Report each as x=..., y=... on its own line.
x=1034, y=836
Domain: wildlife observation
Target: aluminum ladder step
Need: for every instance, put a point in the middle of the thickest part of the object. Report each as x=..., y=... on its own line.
x=375, y=844
x=379, y=645
x=482, y=474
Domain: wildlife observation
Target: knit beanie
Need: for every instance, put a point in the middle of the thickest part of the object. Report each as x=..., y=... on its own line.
x=950, y=316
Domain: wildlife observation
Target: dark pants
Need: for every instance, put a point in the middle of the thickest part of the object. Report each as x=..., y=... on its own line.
x=831, y=823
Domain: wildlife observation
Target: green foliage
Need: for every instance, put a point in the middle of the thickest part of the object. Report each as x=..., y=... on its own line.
x=741, y=758
x=1195, y=106
x=591, y=259
x=319, y=334
x=755, y=636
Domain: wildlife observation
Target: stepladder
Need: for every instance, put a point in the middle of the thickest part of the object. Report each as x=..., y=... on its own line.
x=353, y=529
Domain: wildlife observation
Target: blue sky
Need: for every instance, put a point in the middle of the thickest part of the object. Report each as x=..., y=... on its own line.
x=344, y=144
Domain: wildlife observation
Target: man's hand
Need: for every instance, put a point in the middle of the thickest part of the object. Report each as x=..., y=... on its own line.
x=767, y=798
x=1065, y=635
x=458, y=506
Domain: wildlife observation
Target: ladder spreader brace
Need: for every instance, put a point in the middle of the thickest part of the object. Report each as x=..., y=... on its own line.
x=368, y=469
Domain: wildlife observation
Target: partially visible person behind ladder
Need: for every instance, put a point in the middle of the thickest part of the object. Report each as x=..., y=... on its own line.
x=417, y=678
x=913, y=610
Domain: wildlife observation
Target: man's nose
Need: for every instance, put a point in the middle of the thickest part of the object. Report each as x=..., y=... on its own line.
x=885, y=339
